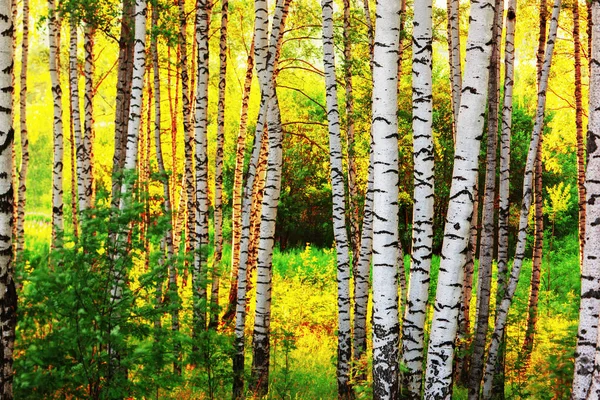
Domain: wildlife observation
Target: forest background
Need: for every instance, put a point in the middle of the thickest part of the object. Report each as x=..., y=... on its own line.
x=49, y=359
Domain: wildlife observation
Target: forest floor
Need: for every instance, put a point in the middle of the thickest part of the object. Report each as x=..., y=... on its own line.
x=304, y=320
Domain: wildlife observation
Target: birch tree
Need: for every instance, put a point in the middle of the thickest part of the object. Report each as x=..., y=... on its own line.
x=453, y=32
x=438, y=377
x=201, y=160
x=58, y=146
x=413, y=328
x=88, y=122
x=22, y=195
x=218, y=206
x=344, y=349
x=8, y=293
x=124, y=79
x=579, y=129
x=502, y=311
x=386, y=326
x=486, y=248
x=266, y=51
x=589, y=307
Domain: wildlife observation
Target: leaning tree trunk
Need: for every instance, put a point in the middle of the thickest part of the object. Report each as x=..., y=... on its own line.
x=8, y=293
x=167, y=208
x=199, y=272
x=238, y=181
x=20, y=222
x=58, y=153
x=503, y=309
x=579, y=129
x=265, y=52
x=413, y=328
x=589, y=308
x=454, y=59
x=386, y=327
x=486, y=247
x=344, y=349
x=438, y=378
x=218, y=195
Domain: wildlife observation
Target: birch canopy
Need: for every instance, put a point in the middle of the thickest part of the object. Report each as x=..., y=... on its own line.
x=303, y=199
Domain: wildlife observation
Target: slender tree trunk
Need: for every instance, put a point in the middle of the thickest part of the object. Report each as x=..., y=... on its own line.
x=353, y=207
x=265, y=71
x=57, y=171
x=167, y=208
x=579, y=129
x=504, y=183
x=119, y=272
x=503, y=309
x=453, y=33
x=413, y=328
x=82, y=174
x=243, y=281
x=538, y=239
x=8, y=293
x=589, y=308
x=238, y=181
x=370, y=31
x=20, y=221
x=344, y=349
x=386, y=327
x=124, y=79
x=486, y=247
x=218, y=206
x=536, y=267
x=199, y=274
x=88, y=122
x=438, y=378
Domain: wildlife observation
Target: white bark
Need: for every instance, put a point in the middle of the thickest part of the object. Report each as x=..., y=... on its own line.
x=386, y=327
x=58, y=146
x=504, y=306
x=24, y=137
x=344, y=350
x=423, y=154
x=589, y=308
x=201, y=211
x=8, y=294
x=454, y=59
x=88, y=123
x=440, y=355
x=265, y=52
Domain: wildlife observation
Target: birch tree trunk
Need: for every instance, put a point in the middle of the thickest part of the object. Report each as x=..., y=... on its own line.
x=124, y=79
x=8, y=293
x=238, y=181
x=201, y=158
x=22, y=197
x=505, y=138
x=453, y=33
x=265, y=71
x=88, y=122
x=589, y=308
x=413, y=327
x=218, y=206
x=344, y=349
x=503, y=309
x=438, y=377
x=579, y=129
x=58, y=146
x=82, y=174
x=486, y=247
x=386, y=327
